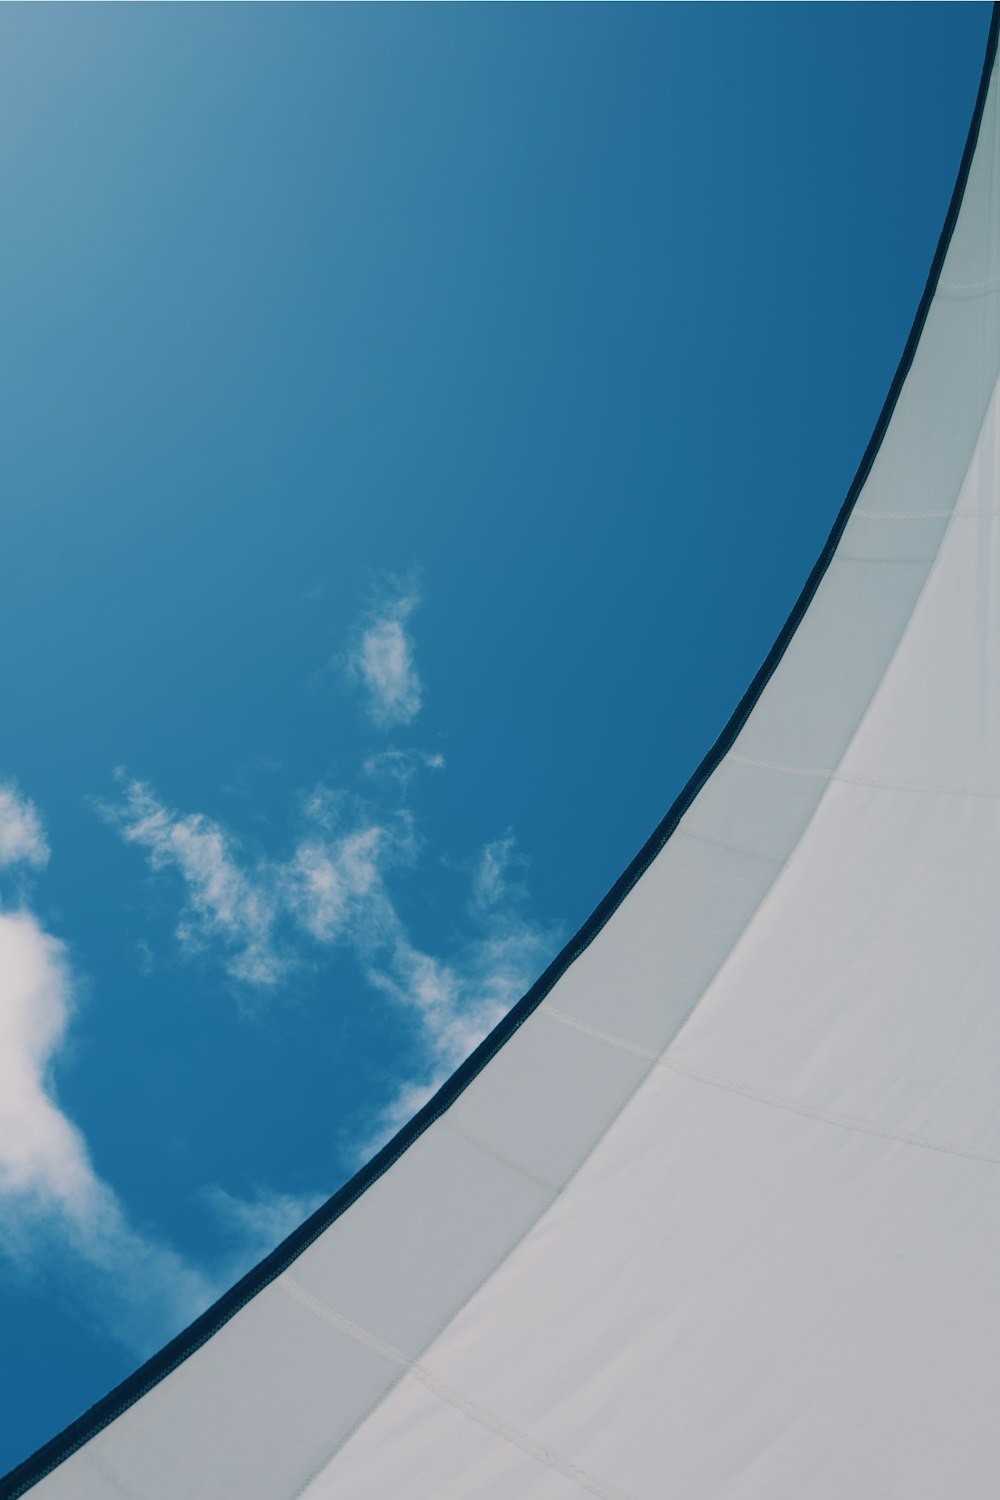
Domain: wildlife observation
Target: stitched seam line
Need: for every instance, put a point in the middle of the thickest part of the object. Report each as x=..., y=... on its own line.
x=471, y=1409
x=961, y=514
x=727, y=848
x=109, y=1480
x=823, y=774
x=881, y=562
x=961, y=290
x=451, y=1125
x=791, y=1106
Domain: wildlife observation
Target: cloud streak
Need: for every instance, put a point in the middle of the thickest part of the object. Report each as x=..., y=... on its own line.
x=461, y=999
x=257, y=1224
x=226, y=901
x=400, y=766
x=261, y=918
x=382, y=661
x=22, y=839
x=333, y=890
x=491, y=882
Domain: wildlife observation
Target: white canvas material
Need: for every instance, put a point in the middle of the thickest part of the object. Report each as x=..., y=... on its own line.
x=721, y=1219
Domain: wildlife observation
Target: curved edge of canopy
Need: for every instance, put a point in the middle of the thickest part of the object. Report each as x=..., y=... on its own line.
x=158, y=1366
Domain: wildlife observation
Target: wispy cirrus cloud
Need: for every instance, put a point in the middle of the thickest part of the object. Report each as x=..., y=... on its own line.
x=256, y=1224
x=492, y=882
x=22, y=838
x=252, y=914
x=334, y=886
x=400, y=766
x=381, y=659
x=334, y=889
x=229, y=903
x=459, y=999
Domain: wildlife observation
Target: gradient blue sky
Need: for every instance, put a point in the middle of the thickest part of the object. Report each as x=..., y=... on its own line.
x=472, y=384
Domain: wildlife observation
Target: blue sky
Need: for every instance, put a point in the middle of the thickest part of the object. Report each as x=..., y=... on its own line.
x=417, y=424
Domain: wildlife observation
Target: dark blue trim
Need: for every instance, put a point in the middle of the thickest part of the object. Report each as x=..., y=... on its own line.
x=118, y=1400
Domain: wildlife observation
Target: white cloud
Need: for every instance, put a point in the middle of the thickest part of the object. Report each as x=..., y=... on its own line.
x=38, y=1146
x=400, y=766
x=459, y=1002
x=225, y=902
x=22, y=840
x=491, y=882
x=409, y=1098
x=330, y=885
x=334, y=884
x=333, y=889
x=382, y=661
x=62, y=1209
x=259, y=1223
x=58, y=1217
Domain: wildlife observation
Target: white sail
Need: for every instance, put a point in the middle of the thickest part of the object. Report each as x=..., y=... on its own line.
x=716, y=1213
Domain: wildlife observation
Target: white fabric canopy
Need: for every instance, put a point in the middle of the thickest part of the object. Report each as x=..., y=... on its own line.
x=715, y=1215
